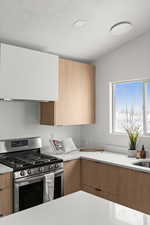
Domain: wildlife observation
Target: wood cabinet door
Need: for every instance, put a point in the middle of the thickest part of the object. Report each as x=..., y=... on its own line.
x=6, y=195
x=76, y=103
x=91, y=173
x=129, y=188
x=5, y=202
x=143, y=195
x=72, y=176
x=110, y=179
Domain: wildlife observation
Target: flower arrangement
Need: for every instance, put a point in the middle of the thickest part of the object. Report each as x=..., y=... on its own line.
x=132, y=126
x=133, y=134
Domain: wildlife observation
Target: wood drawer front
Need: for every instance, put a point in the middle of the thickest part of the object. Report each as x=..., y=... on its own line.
x=91, y=190
x=5, y=180
x=91, y=173
x=98, y=192
x=5, y=202
x=72, y=176
x=99, y=175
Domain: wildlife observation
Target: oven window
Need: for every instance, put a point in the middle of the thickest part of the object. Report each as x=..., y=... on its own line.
x=30, y=195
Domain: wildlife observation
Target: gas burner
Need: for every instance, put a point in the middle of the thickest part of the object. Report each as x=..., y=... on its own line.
x=27, y=159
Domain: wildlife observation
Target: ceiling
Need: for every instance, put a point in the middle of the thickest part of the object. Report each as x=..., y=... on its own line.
x=47, y=25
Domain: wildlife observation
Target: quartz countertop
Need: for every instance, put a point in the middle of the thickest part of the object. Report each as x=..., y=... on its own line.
x=106, y=157
x=79, y=208
x=5, y=169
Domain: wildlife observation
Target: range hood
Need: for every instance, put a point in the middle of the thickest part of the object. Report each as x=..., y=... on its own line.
x=27, y=74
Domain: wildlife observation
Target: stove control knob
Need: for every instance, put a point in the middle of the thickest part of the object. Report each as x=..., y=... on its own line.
x=29, y=172
x=51, y=167
x=56, y=166
x=22, y=173
x=40, y=169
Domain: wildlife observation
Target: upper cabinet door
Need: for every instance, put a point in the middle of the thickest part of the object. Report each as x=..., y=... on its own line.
x=76, y=102
x=28, y=75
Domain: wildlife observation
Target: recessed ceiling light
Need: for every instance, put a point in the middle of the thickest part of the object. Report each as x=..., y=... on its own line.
x=79, y=23
x=121, y=28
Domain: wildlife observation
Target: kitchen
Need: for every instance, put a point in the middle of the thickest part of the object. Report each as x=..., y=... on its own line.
x=59, y=82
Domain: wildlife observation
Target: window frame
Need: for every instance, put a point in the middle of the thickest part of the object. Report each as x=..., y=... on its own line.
x=113, y=106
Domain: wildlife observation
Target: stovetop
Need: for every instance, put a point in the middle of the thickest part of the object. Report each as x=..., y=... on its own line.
x=27, y=159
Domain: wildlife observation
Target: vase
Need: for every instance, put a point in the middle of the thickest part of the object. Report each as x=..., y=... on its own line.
x=132, y=153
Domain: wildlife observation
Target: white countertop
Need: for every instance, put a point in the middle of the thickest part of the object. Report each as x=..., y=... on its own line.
x=79, y=208
x=5, y=169
x=105, y=157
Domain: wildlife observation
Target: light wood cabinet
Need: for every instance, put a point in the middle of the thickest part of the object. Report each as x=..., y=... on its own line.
x=91, y=173
x=121, y=185
x=6, y=197
x=143, y=191
x=99, y=175
x=72, y=176
x=134, y=189
x=76, y=102
x=98, y=192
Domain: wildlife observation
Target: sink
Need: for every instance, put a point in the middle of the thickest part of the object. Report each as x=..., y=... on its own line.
x=143, y=164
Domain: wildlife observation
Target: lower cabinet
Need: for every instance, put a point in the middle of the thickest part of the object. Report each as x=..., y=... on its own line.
x=124, y=186
x=72, y=176
x=121, y=185
x=134, y=190
x=6, y=197
x=100, y=176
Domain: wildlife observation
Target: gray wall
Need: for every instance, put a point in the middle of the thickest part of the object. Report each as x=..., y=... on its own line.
x=131, y=61
x=22, y=119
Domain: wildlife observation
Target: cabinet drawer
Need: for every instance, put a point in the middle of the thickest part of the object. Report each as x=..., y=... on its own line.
x=100, y=193
x=91, y=190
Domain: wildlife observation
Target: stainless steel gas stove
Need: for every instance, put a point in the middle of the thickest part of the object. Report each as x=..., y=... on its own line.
x=30, y=168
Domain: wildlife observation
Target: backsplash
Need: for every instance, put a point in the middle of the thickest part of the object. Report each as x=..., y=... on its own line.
x=22, y=119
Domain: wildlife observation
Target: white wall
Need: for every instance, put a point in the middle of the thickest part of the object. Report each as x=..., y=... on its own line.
x=131, y=61
x=22, y=119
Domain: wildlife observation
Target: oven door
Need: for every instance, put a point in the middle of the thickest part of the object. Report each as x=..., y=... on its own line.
x=28, y=193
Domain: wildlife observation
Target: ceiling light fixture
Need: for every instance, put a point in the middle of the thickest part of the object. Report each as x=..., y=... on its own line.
x=79, y=23
x=121, y=28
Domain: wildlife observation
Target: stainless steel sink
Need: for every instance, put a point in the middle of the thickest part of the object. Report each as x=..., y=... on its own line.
x=143, y=164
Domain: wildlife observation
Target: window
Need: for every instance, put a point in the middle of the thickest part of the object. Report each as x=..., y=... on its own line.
x=131, y=100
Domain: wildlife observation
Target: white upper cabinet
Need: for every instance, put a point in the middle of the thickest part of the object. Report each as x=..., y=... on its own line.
x=27, y=75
